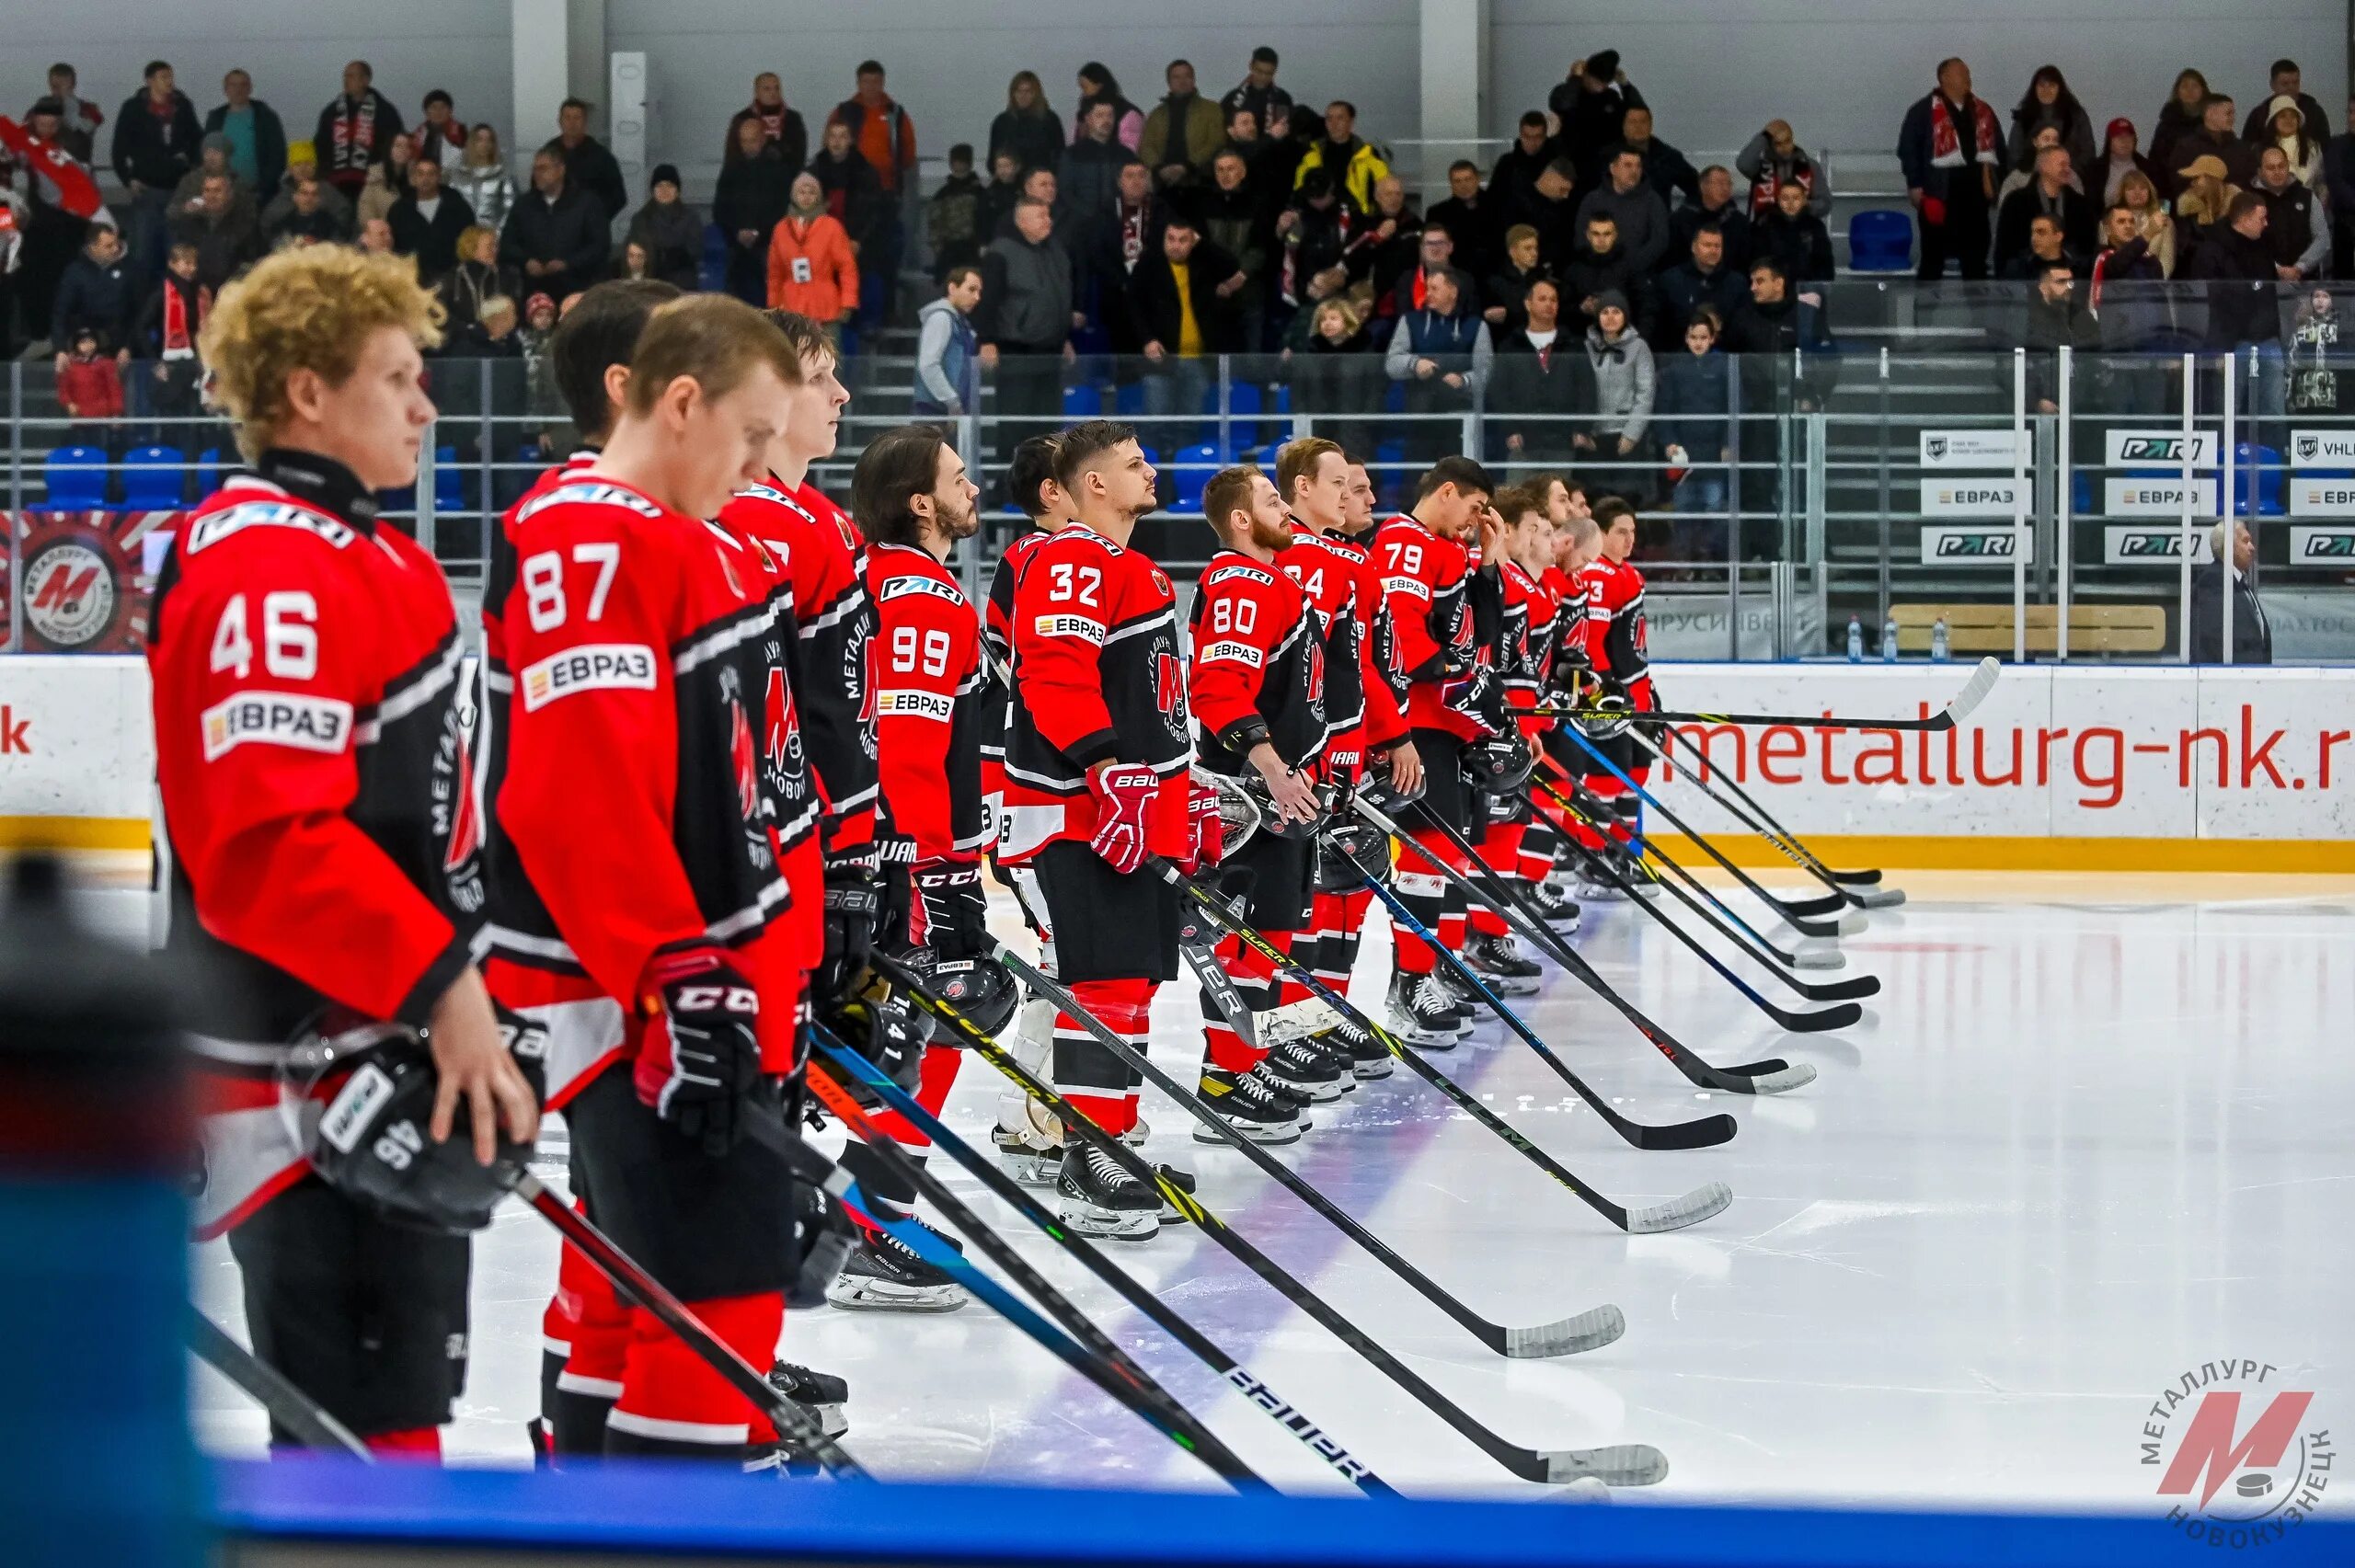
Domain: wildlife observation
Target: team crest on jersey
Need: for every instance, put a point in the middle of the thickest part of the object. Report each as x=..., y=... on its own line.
x=781, y=756
x=458, y=813
x=743, y=764
x=728, y=570
x=1169, y=691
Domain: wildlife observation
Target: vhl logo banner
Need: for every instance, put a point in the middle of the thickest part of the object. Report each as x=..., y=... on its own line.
x=2159, y=448
x=2240, y=1461
x=2331, y=447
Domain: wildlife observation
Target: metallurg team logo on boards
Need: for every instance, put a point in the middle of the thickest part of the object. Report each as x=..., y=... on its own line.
x=2242, y=1457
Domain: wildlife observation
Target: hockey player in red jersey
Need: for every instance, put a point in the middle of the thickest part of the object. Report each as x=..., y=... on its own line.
x=324, y=842
x=1615, y=647
x=636, y=641
x=1096, y=750
x=1537, y=546
x=1258, y=682
x=914, y=504
x=1444, y=682
x=1312, y=474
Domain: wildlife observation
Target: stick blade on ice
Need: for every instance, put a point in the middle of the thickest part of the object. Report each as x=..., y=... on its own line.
x=1589, y=1330
x=1621, y=1464
x=1880, y=898
x=1974, y=692
x=1796, y=1076
x=1677, y=1213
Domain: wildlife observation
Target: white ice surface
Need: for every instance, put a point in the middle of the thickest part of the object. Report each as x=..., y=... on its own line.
x=2078, y=1146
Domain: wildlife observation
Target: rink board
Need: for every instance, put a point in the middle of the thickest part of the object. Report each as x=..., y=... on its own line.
x=287, y=1512
x=2064, y=767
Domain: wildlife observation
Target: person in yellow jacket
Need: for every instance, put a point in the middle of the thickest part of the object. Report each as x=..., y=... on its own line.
x=1355, y=164
x=811, y=269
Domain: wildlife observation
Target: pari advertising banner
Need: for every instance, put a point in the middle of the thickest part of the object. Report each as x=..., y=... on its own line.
x=2140, y=753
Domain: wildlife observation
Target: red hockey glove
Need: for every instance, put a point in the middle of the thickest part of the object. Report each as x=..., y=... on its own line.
x=1203, y=831
x=701, y=1057
x=1125, y=795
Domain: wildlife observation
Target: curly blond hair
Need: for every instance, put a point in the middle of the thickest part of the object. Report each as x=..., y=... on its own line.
x=308, y=309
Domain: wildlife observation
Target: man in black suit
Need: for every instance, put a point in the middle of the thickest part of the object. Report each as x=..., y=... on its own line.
x=2252, y=634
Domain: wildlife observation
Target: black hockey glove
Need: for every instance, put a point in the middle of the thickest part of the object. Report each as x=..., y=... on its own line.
x=853, y=904
x=951, y=916
x=701, y=1057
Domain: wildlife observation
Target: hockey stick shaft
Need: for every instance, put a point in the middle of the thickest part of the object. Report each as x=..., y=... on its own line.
x=1738, y=801
x=1616, y=1213
x=1700, y=1133
x=1502, y=1340
x=1779, y=906
x=1974, y=692
x=1530, y=1464
x=1012, y=1194
x=1756, y=946
x=272, y=1390
x=1749, y=815
x=1601, y=866
x=631, y=1280
x=1687, y=1060
x=1080, y=1343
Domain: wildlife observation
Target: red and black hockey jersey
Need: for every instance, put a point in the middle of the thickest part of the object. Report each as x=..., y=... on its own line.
x=1095, y=676
x=1327, y=571
x=1258, y=671
x=1616, y=635
x=1530, y=613
x=824, y=557
x=932, y=699
x=642, y=651
x=317, y=794
x=1434, y=653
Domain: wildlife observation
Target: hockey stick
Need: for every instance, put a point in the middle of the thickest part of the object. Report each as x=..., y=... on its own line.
x=1797, y=913
x=1622, y=1464
x=1826, y=955
x=1760, y=954
x=1674, y=1215
x=1081, y=1344
x=1589, y=1330
x=1773, y=832
x=1772, y=1076
x=272, y=1390
x=1974, y=692
x=631, y=1278
x=1012, y=1194
x=1704, y=1132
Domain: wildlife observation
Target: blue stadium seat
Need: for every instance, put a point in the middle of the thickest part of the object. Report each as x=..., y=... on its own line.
x=2256, y=481
x=1189, y=473
x=208, y=472
x=1083, y=402
x=1128, y=400
x=449, y=481
x=154, y=478
x=75, y=478
x=711, y=269
x=1880, y=240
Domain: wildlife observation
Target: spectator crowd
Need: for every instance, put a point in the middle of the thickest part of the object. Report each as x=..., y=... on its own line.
x=1590, y=270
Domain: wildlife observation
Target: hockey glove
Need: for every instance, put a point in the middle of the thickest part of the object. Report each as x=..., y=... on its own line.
x=853, y=904
x=701, y=1057
x=952, y=915
x=1473, y=691
x=1124, y=796
x=1205, y=836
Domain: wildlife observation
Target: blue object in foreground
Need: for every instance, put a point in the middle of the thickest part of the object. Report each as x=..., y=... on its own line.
x=676, y=1512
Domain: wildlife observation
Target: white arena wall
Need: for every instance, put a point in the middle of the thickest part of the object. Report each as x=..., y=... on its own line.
x=2157, y=768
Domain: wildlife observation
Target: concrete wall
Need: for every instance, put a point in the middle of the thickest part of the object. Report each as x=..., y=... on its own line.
x=295, y=49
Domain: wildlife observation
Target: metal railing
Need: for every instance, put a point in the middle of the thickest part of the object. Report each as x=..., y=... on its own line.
x=2041, y=503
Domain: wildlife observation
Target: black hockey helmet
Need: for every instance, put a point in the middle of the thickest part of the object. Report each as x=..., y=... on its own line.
x=980, y=987
x=1498, y=764
x=370, y=1137
x=1376, y=790
x=880, y=1023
